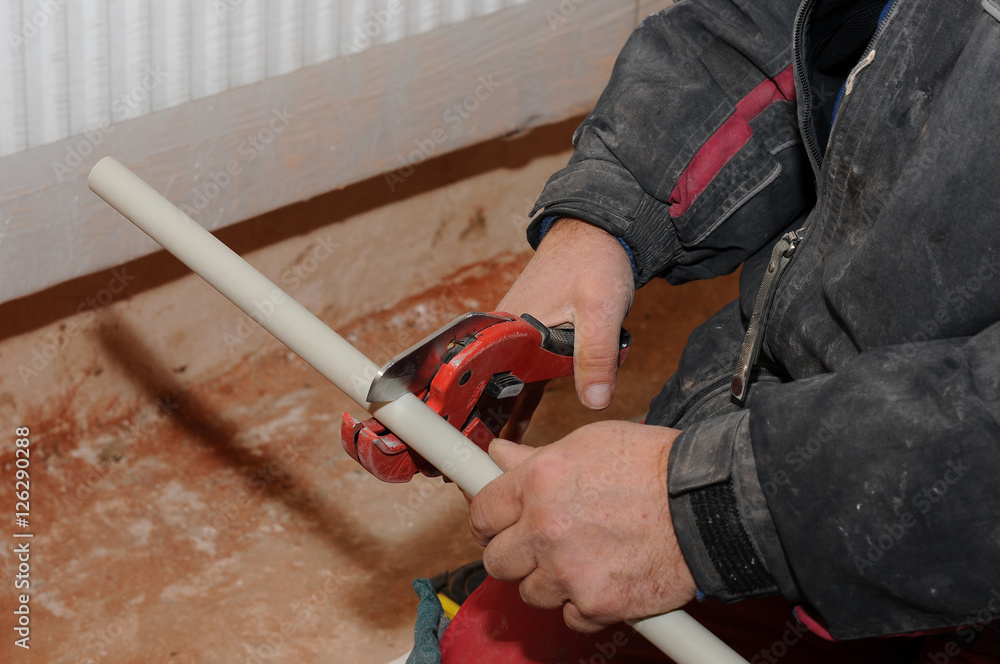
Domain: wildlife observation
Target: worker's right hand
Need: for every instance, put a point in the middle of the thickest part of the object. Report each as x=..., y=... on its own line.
x=580, y=276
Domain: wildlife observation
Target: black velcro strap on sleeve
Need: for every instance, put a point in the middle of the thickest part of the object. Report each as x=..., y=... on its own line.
x=726, y=540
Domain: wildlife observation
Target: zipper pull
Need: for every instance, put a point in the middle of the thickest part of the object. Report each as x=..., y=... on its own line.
x=858, y=68
x=781, y=257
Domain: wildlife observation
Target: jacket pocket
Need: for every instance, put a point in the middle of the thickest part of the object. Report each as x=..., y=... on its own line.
x=709, y=192
x=746, y=201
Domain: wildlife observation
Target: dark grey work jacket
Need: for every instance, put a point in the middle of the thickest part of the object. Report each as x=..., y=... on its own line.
x=861, y=479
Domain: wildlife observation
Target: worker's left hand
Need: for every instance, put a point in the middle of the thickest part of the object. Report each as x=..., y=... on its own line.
x=584, y=524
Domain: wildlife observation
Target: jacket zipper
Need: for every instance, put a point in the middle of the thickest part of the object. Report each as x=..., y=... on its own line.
x=890, y=10
x=698, y=396
x=815, y=156
x=784, y=251
x=869, y=51
x=781, y=257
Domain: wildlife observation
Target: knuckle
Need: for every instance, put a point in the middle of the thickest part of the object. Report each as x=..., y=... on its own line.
x=550, y=528
x=490, y=564
x=578, y=619
x=596, y=363
x=478, y=525
x=529, y=593
x=548, y=471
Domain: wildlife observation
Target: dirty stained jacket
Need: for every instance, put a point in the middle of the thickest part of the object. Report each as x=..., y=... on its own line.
x=861, y=478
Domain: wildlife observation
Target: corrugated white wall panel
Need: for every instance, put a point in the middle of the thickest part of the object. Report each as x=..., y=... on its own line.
x=320, y=35
x=169, y=39
x=247, y=43
x=131, y=60
x=74, y=65
x=14, y=138
x=423, y=16
x=284, y=36
x=209, y=50
x=87, y=60
x=46, y=92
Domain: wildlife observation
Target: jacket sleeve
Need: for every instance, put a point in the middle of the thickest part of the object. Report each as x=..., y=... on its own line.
x=894, y=535
x=692, y=156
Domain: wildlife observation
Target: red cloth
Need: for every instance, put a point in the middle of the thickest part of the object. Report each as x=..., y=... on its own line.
x=494, y=626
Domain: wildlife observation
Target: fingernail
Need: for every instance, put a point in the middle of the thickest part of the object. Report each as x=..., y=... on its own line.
x=597, y=396
x=500, y=443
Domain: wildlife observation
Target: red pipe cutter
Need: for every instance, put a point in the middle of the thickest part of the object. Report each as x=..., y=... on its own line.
x=470, y=372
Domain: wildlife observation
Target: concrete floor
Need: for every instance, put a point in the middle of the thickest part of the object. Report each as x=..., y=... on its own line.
x=226, y=524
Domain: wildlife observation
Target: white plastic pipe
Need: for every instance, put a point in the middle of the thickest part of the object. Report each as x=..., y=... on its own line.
x=685, y=640
x=676, y=633
x=436, y=440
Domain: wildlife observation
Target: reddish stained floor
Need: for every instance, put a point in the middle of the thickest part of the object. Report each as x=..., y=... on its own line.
x=224, y=523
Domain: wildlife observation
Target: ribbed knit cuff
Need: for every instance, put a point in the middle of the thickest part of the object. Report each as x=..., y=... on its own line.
x=607, y=196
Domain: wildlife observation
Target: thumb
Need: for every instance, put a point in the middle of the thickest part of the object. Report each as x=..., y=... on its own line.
x=507, y=455
x=595, y=363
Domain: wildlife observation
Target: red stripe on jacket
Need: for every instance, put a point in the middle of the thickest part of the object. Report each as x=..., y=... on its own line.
x=728, y=139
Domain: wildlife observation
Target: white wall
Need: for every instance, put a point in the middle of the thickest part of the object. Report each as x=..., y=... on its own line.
x=252, y=148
